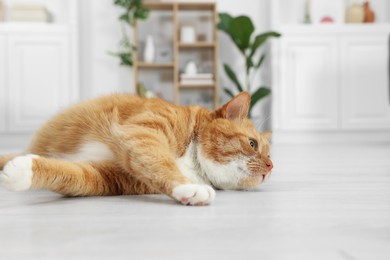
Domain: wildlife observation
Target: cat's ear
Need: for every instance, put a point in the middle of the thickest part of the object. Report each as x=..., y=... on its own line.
x=267, y=135
x=237, y=108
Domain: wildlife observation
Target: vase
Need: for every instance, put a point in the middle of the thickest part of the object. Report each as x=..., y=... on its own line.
x=369, y=15
x=187, y=34
x=191, y=68
x=355, y=14
x=1, y=10
x=149, y=52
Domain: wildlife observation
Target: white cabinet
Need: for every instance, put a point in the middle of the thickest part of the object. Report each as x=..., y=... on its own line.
x=309, y=83
x=38, y=78
x=2, y=85
x=38, y=72
x=365, y=82
x=332, y=80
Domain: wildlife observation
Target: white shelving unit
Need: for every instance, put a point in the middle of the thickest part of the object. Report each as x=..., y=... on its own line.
x=330, y=81
x=38, y=70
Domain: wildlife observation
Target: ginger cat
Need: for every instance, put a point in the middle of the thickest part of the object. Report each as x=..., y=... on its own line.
x=122, y=144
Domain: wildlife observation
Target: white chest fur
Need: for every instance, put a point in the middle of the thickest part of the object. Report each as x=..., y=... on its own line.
x=190, y=167
x=89, y=151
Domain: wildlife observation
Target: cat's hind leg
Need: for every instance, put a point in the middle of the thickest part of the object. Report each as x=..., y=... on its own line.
x=69, y=178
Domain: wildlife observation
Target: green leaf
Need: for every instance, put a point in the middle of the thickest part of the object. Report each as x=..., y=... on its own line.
x=258, y=95
x=241, y=29
x=232, y=76
x=260, y=62
x=121, y=3
x=141, y=13
x=229, y=92
x=225, y=20
x=260, y=39
x=249, y=64
x=125, y=17
x=125, y=57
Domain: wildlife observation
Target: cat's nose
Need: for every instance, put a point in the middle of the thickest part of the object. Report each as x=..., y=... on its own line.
x=269, y=164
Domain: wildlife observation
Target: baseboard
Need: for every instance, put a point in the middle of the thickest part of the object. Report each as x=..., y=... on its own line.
x=331, y=137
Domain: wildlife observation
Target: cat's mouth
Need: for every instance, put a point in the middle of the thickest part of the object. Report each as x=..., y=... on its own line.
x=260, y=176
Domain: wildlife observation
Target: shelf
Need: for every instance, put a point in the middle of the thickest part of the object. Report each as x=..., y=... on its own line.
x=156, y=6
x=155, y=65
x=169, y=6
x=32, y=27
x=187, y=86
x=334, y=28
x=196, y=45
x=196, y=6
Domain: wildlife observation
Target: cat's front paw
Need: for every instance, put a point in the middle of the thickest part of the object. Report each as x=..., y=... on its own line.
x=194, y=194
x=17, y=173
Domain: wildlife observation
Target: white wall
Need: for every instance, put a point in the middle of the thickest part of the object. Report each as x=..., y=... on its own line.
x=100, y=32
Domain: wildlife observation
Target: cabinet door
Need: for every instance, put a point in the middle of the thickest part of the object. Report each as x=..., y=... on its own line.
x=38, y=79
x=365, y=82
x=308, y=83
x=3, y=105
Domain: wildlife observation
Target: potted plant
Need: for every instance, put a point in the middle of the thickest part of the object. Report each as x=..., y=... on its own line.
x=240, y=29
x=133, y=10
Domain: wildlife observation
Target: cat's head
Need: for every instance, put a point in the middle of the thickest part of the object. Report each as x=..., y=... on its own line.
x=232, y=153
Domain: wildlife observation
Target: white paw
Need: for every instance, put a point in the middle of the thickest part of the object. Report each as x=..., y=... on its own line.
x=17, y=173
x=194, y=194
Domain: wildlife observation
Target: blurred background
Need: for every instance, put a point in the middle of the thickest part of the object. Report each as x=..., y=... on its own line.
x=318, y=70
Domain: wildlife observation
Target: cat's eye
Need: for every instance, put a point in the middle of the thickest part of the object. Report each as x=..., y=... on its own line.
x=253, y=144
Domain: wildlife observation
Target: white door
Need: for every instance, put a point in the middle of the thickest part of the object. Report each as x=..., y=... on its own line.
x=308, y=83
x=3, y=105
x=365, y=82
x=38, y=73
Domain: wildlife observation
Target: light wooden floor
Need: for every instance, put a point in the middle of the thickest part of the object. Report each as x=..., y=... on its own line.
x=321, y=202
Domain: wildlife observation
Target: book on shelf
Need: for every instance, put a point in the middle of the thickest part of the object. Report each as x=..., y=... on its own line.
x=199, y=76
x=28, y=13
x=193, y=82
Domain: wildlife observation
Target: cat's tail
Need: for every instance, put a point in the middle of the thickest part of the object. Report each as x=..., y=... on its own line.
x=6, y=158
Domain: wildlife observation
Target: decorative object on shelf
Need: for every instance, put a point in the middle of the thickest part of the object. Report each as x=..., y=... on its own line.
x=143, y=92
x=1, y=10
x=164, y=53
x=355, y=13
x=149, y=51
x=191, y=68
x=327, y=19
x=369, y=15
x=240, y=30
x=133, y=10
x=323, y=10
x=187, y=34
x=307, y=19
x=28, y=13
